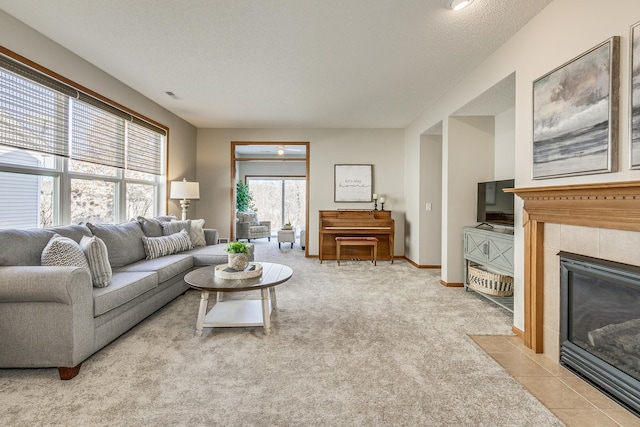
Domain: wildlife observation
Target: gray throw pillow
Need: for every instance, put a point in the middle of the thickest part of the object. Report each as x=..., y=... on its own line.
x=151, y=227
x=156, y=247
x=96, y=252
x=124, y=242
x=63, y=251
x=175, y=226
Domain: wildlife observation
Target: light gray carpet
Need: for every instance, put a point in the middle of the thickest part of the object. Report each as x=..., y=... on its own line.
x=354, y=345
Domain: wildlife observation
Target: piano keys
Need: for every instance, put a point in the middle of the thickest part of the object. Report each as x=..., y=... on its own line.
x=371, y=223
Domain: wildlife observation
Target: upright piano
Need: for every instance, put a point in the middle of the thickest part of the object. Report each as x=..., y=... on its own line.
x=356, y=223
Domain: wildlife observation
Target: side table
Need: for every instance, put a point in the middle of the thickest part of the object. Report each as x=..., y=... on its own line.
x=287, y=236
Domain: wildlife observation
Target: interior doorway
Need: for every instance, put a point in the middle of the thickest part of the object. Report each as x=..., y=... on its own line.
x=279, y=175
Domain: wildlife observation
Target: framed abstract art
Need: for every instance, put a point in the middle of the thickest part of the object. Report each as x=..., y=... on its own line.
x=634, y=119
x=575, y=115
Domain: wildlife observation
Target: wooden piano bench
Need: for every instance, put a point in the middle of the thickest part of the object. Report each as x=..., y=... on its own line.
x=358, y=241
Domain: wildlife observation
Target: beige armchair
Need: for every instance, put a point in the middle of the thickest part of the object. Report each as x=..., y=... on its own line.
x=249, y=227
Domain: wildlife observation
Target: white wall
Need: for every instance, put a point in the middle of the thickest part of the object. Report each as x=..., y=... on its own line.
x=25, y=41
x=505, y=144
x=271, y=168
x=562, y=31
x=382, y=148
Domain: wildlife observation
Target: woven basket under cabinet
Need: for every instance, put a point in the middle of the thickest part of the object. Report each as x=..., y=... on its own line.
x=490, y=283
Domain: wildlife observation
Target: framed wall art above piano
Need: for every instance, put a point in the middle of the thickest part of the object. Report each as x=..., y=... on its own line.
x=353, y=183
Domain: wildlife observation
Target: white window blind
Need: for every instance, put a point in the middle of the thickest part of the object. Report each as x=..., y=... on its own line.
x=32, y=116
x=35, y=115
x=97, y=136
x=144, y=149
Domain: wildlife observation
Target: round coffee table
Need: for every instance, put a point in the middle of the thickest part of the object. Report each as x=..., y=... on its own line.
x=237, y=313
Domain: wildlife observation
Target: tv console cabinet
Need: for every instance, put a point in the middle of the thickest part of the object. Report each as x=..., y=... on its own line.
x=492, y=250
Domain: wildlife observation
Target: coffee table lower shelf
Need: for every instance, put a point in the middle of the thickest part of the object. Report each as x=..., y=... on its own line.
x=235, y=314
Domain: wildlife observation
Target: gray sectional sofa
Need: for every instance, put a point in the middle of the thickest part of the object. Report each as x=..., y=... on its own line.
x=54, y=316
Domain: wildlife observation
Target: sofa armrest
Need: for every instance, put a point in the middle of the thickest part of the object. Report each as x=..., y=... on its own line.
x=266, y=224
x=66, y=285
x=211, y=236
x=46, y=315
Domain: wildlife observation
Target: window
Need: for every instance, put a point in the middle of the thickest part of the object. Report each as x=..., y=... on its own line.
x=280, y=200
x=67, y=157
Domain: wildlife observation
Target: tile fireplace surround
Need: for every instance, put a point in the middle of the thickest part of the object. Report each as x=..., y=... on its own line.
x=597, y=220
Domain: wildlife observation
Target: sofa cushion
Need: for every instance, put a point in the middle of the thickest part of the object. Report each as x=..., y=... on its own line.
x=156, y=247
x=63, y=251
x=124, y=241
x=123, y=288
x=96, y=252
x=74, y=231
x=214, y=255
x=166, y=267
x=257, y=231
x=197, y=233
x=23, y=247
x=250, y=217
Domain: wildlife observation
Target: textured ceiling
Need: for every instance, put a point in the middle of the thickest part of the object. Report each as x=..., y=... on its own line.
x=282, y=63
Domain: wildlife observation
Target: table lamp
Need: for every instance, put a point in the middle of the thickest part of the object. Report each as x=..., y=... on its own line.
x=185, y=191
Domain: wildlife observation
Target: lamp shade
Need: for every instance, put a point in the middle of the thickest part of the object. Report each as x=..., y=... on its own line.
x=459, y=4
x=185, y=190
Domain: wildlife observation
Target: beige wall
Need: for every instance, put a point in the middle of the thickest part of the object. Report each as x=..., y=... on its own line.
x=504, y=147
x=382, y=148
x=562, y=31
x=430, y=192
x=16, y=36
x=470, y=149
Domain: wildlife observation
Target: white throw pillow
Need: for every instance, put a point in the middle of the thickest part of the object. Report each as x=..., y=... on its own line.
x=63, y=251
x=98, y=258
x=197, y=232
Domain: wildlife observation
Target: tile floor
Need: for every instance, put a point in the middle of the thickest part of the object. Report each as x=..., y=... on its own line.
x=571, y=399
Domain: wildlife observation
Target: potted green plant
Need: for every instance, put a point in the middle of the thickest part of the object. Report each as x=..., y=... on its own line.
x=244, y=198
x=287, y=226
x=237, y=255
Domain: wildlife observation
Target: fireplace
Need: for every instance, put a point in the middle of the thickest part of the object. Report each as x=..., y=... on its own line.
x=600, y=324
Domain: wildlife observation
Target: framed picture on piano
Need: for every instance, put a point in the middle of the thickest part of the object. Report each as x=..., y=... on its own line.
x=353, y=183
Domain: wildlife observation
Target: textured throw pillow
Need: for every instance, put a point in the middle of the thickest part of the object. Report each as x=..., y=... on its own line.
x=63, y=251
x=197, y=233
x=156, y=247
x=96, y=252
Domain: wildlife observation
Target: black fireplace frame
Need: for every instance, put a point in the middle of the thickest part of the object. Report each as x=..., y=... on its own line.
x=617, y=384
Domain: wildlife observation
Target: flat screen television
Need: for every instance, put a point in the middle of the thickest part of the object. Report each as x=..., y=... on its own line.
x=494, y=205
